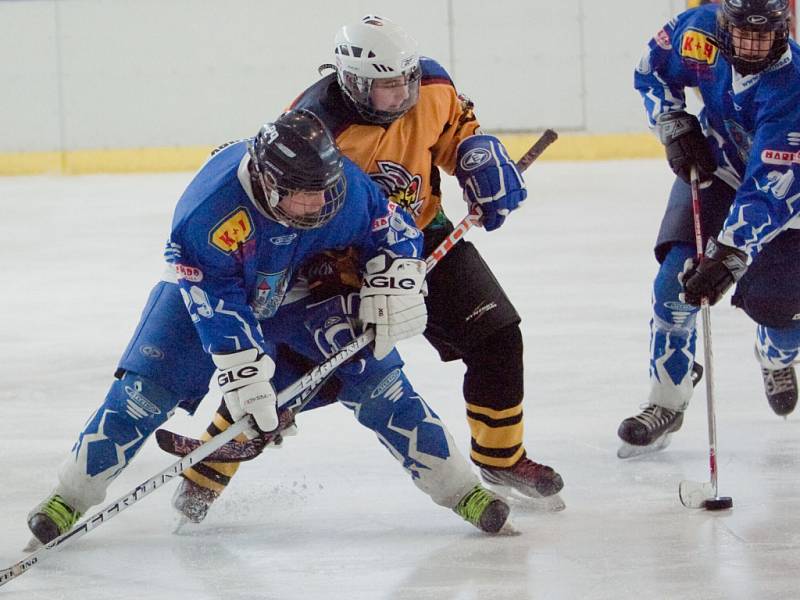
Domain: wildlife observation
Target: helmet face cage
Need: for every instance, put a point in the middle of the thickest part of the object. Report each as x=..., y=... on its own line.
x=359, y=90
x=276, y=196
x=743, y=25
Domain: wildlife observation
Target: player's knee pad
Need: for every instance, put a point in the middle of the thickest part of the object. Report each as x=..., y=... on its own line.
x=387, y=404
x=411, y=431
x=673, y=334
x=133, y=409
x=777, y=348
x=496, y=365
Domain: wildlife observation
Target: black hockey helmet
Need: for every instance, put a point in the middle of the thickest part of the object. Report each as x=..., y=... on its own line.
x=294, y=154
x=741, y=24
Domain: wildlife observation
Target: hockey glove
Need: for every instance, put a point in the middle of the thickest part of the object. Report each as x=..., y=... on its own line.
x=332, y=273
x=489, y=178
x=686, y=145
x=244, y=379
x=392, y=299
x=711, y=277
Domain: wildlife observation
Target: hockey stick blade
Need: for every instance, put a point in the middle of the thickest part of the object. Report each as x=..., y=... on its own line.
x=234, y=451
x=694, y=494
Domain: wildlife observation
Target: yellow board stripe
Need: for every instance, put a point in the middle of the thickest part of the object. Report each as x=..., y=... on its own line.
x=570, y=146
x=495, y=414
x=84, y=162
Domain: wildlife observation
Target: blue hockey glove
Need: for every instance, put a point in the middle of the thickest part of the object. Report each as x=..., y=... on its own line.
x=711, y=277
x=489, y=178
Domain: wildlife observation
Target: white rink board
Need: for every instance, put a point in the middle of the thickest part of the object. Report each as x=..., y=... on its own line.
x=100, y=74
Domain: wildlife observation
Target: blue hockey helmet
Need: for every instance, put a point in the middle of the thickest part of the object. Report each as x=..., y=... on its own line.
x=293, y=155
x=753, y=34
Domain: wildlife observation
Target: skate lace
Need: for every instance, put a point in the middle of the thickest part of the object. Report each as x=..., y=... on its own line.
x=62, y=514
x=653, y=417
x=779, y=380
x=471, y=506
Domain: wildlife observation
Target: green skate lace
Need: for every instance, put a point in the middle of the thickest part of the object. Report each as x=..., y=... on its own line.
x=471, y=506
x=61, y=513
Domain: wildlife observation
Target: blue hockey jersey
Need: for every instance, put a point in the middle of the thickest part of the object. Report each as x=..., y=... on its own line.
x=234, y=266
x=752, y=122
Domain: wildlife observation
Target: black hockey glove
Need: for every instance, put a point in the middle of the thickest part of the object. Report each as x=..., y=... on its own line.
x=721, y=267
x=686, y=145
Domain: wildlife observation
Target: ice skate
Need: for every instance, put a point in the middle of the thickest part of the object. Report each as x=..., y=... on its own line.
x=536, y=484
x=192, y=502
x=649, y=431
x=50, y=519
x=780, y=386
x=484, y=510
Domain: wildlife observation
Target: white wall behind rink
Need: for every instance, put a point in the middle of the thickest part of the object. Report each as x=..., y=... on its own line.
x=98, y=74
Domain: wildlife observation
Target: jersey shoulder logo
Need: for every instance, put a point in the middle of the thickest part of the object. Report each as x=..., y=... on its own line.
x=699, y=47
x=233, y=231
x=399, y=185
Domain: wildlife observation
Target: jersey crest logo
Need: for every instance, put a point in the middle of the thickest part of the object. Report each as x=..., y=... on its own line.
x=399, y=185
x=699, y=47
x=269, y=292
x=233, y=231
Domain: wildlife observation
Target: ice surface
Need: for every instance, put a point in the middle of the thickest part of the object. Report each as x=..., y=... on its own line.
x=331, y=515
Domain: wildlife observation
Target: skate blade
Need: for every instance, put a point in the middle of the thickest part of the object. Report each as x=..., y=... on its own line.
x=182, y=525
x=33, y=545
x=552, y=503
x=527, y=502
x=627, y=450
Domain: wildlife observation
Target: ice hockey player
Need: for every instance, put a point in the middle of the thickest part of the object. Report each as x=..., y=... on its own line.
x=399, y=117
x=744, y=147
x=250, y=217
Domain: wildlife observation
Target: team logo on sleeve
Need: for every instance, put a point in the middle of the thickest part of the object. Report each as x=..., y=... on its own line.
x=699, y=47
x=663, y=40
x=399, y=185
x=188, y=272
x=383, y=222
x=233, y=231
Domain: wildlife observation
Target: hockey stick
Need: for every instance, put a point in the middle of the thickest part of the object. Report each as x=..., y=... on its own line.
x=705, y=494
x=474, y=216
x=294, y=393
x=235, y=451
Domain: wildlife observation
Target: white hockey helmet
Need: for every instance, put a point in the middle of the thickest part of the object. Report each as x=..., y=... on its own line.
x=376, y=49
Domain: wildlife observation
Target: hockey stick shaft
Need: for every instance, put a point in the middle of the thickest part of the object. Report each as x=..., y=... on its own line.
x=705, y=311
x=295, y=392
x=474, y=216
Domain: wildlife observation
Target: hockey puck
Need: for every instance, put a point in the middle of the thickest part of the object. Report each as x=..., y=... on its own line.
x=719, y=503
